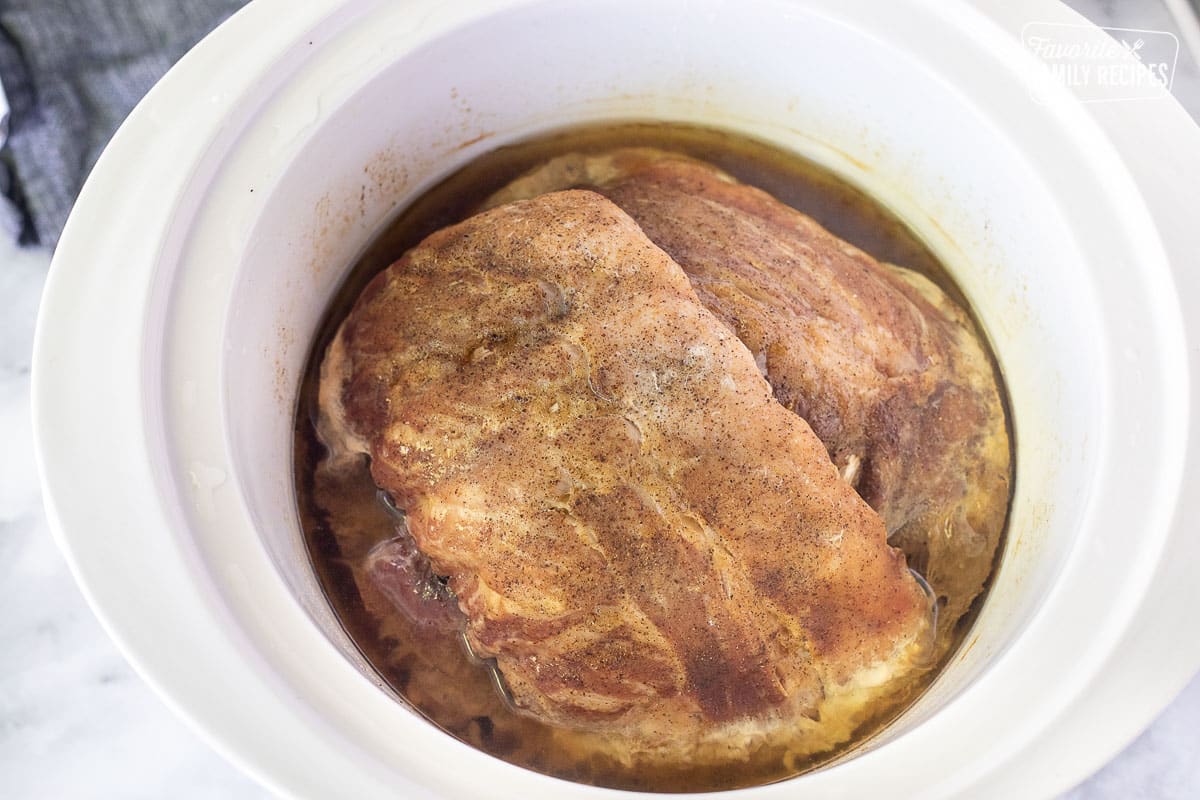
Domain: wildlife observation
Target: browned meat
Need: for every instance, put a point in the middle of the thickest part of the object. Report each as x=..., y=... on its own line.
x=886, y=369
x=649, y=545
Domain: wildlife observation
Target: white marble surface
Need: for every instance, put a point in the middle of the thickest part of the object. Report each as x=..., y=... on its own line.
x=76, y=722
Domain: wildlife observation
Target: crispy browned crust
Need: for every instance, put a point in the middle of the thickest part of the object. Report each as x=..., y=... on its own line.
x=887, y=370
x=647, y=542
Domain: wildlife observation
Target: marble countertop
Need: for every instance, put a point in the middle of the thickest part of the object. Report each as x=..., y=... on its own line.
x=76, y=722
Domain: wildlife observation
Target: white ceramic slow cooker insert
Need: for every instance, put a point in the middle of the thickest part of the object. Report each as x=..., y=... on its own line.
x=220, y=221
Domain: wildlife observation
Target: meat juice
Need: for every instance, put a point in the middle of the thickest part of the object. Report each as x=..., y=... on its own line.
x=345, y=518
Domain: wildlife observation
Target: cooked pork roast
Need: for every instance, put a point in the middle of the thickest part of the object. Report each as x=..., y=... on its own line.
x=645, y=534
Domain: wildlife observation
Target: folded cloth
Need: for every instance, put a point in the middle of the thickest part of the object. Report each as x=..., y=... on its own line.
x=10, y=218
x=72, y=70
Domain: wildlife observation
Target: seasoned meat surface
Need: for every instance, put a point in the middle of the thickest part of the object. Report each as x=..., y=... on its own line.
x=884, y=367
x=648, y=544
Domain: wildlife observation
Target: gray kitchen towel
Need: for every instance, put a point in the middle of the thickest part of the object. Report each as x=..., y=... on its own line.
x=72, y=71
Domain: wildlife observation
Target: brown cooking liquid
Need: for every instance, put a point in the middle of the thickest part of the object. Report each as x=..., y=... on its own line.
x=344, y=517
